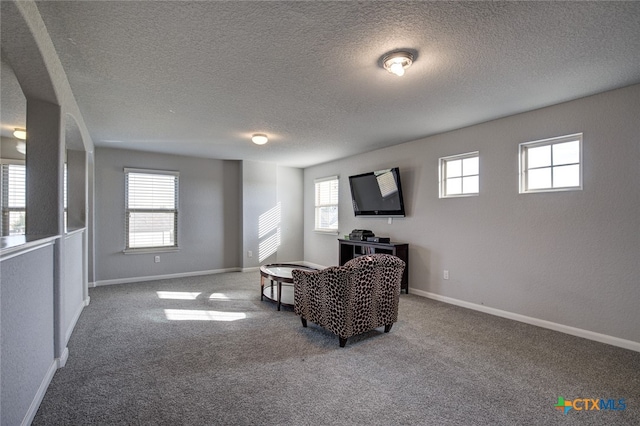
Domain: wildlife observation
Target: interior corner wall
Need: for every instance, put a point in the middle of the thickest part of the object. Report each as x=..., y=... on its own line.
x=91, y=200
x=570, y=258
x=76, y=189
x=271, y=214
x=290, y=196
x=208, y=224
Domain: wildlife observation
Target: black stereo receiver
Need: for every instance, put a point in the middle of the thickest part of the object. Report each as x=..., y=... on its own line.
x=361, y=234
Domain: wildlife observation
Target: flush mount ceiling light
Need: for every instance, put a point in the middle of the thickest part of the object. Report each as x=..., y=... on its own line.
x=21, y=147
x=397, y=62
x=20, y=133
x=259, y=139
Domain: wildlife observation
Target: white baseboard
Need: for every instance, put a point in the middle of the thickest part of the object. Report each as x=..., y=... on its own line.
x=162, y=277
x=37, y=398
x=586, y=334
x=188, y=274
x=313, y=265
x=297, y=262
x=74, y=320
x=62, y=361
x=87, y=301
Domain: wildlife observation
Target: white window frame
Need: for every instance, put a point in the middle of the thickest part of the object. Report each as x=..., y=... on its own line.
x=5, y=163
x=442, y=173
x=524, y=168
x=128, y=211
x=318, y=206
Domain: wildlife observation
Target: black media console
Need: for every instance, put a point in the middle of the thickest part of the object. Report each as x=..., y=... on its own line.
x=350, y=249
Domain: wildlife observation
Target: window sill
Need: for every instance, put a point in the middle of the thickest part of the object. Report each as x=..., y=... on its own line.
x=150, y=250
x=475, y=194
x=321, y=231
x=542, y=190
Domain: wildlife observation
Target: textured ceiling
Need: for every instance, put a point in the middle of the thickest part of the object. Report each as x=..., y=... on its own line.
x=198, y=78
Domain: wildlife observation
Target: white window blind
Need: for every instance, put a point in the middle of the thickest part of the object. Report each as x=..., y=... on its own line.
x=13, y=199
x=326, y=204
x=151, y=209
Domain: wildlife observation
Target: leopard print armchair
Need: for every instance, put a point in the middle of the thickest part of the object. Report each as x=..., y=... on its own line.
x=351, y=299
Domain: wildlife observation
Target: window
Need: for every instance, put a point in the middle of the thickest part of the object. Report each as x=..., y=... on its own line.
x=460, y=175
x=327, y=204
x=13, y=199
x=551, y=164
x=151, y=203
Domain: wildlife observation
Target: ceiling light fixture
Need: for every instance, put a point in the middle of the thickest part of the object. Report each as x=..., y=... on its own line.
x=259, y=138
x=21, y=147
x=20, y=133
x=397, y=62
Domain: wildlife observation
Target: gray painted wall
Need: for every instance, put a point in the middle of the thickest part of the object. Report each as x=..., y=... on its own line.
x=259, y=197
x=290, y=195
x=76, y=189
x=73, y=282
x=27, y=332
x=221, y=204
x=571, y=258
x=271, y=205
x=209, y=214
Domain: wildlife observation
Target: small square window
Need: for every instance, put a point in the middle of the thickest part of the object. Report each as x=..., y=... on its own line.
x=551, y=164
x=460, y=175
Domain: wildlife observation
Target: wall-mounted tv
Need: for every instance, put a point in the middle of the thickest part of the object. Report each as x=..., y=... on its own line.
x=377, y=193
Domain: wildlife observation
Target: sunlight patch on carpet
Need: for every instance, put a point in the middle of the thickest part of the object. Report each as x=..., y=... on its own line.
x=218, y=296
x=197, y=315
x=178, y=295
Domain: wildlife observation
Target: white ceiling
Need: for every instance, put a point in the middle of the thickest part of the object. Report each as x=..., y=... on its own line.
x=198, y=78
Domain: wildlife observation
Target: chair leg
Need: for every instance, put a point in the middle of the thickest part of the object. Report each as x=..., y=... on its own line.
x=387, y=328
x=343, y=341
x=304, y=321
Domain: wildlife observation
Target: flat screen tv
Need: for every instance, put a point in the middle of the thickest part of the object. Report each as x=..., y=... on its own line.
x=377, y=193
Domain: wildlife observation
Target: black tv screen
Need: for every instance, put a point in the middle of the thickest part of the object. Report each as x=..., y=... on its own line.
x=377, y=193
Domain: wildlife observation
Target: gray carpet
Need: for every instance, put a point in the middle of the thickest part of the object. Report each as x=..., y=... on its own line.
x=439, y=365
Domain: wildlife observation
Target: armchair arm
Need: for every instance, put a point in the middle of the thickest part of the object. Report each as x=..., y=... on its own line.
x=322, y=296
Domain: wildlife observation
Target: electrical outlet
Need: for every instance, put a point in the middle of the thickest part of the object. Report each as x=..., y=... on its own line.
x=390, y=221
x=446, y=274
x=249, y=253
x=156, y=259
